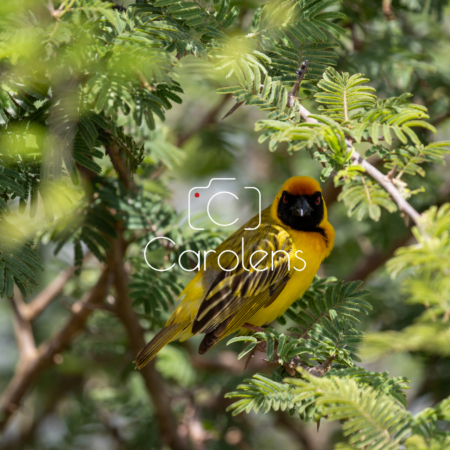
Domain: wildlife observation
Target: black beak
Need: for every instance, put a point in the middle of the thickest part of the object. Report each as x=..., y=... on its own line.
x=302, y=208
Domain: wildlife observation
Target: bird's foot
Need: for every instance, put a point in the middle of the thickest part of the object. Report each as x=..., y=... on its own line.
x=252, y=327
x=262, y=347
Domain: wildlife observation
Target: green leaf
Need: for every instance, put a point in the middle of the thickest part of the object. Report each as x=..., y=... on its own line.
x=256, y=19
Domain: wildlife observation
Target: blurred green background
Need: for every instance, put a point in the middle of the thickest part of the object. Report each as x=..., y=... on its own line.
x=93, y=397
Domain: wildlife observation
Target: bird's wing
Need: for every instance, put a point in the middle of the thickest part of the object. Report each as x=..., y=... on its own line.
x=237, y=294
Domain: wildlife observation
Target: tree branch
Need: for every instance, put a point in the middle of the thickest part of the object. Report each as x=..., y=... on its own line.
x=379, y=177
x=22, y=328
x=301, y=71
x=47, y=295
x=43, y=358
x=153, y=382
x=387, y=184
x=47, y=406
x=120, y=166
x=376, y=259
x=209, y=118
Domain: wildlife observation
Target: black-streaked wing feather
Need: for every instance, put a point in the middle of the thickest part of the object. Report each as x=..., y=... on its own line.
x=233, y=323
x=245, y=290
x=251, y=308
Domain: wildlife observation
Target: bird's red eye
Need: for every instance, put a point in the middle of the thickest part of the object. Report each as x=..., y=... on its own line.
x=284, y=199
x=318, y=201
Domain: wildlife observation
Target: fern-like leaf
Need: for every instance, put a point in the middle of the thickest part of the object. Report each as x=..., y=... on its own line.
x=372, y=421
x=261, y=393
x=343, y=94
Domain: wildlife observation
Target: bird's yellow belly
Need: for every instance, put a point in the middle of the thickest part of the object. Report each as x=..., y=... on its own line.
x=288, y=296
x=294, y=289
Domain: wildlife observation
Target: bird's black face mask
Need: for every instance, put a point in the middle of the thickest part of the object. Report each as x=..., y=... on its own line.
x=301, y=212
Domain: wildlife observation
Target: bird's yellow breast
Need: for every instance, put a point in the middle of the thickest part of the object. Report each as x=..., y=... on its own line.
x=312, y=247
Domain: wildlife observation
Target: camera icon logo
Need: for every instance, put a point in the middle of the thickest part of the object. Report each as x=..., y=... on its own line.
x=202, y=189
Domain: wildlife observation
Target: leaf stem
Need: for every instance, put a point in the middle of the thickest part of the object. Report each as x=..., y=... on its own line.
x=367, y=190
x=345, y=105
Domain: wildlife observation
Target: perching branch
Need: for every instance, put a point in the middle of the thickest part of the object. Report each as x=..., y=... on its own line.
x=26, y=373
x=376, y=259
x=318, y=371
x=387, y=184
x=379, y=177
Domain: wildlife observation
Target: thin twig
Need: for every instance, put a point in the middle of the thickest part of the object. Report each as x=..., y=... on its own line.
x=301, y=71
x=233, y=109
x=209, y=118
x=387, y=10
x=50, y=7
x=391, y=173
x=140, y=76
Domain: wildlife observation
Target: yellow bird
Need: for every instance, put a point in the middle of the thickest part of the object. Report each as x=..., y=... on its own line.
x=254, y=276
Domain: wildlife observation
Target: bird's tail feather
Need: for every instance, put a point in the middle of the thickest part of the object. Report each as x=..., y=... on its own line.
x=161, y=339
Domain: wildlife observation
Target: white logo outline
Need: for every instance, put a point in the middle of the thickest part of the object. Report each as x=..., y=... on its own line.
x=222, y=192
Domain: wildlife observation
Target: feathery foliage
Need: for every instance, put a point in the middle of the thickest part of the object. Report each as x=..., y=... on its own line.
x=371, y=406
x=85, y=88
x=352, y=114
x=18, y=261
x=372, y=420
x=424, y=272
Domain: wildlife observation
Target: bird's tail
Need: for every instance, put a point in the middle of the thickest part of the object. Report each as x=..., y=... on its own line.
x=161, y=339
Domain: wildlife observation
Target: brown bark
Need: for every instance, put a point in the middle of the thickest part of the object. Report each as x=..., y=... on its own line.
x=30, y=366
x=153, y=382
x=47, y=295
